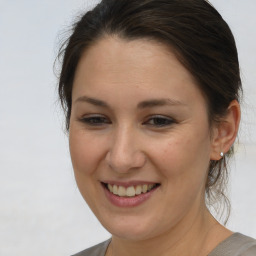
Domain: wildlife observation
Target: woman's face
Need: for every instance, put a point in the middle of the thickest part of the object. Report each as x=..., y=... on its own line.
x=139, y=127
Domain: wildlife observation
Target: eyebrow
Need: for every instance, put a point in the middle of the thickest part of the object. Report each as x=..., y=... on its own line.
x=159, y=102
x=92, y=101
x=144, y=104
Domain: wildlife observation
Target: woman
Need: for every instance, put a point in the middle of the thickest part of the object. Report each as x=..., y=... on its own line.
x=151, y=93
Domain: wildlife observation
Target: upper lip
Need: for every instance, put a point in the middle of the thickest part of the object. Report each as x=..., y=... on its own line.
x=127, y=184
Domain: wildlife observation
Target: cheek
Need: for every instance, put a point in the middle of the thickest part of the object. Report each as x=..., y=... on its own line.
x=85, y=152
x=183, y=155
x=86, y=156
x=183, y=162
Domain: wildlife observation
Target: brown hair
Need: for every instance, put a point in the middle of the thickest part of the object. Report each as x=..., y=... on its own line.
x=194, y=31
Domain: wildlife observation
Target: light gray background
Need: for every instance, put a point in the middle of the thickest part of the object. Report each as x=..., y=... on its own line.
x=41, y=210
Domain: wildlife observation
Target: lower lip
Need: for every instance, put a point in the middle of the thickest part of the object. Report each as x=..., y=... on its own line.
x=128, y=201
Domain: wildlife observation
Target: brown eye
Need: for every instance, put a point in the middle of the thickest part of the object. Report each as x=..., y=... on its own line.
x=159, y=121
x=95, y=120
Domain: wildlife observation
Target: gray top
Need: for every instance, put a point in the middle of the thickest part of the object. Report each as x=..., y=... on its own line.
x=235, y=245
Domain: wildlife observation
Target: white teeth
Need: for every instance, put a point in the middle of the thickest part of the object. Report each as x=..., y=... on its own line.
x=145, y=188
x=121, y=191
x=130, y=191
x=115, y=191
x=110, y=188
x=150, y=186
x=138, y=190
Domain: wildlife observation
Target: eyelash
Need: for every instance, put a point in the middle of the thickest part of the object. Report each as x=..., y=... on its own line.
x=164, y=121
x=158, y=121
x=96, y=120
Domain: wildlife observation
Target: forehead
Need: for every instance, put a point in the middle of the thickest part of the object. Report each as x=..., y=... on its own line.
x=131, y=67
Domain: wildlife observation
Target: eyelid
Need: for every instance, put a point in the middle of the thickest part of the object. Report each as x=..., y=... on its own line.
x=170, y=121
x=101, y=120
x=91, y=118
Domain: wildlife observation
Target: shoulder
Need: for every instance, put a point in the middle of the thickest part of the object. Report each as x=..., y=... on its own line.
x=96, y=250
x=236, y=245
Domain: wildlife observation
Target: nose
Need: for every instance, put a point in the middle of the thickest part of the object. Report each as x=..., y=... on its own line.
x=125, y=153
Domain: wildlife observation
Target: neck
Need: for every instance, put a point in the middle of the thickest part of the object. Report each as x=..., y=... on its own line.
x=191, y=236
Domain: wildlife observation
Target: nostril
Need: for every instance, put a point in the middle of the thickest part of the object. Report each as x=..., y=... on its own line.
x=123, y=162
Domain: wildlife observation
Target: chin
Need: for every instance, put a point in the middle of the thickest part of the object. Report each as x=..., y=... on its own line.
x=131, y=234
x=133, y=229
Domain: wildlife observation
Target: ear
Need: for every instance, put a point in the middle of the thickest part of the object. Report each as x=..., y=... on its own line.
x=224, y=132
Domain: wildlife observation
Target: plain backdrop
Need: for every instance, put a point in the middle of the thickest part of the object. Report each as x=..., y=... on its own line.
x=41, y=210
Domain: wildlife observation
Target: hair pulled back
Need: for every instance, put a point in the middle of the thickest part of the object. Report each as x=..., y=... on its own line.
x=193, y=30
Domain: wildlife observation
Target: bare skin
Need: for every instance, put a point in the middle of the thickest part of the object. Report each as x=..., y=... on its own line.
x=191, y=244
x=138, y=115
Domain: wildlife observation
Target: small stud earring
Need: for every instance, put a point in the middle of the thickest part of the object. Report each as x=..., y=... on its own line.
x=221, y=154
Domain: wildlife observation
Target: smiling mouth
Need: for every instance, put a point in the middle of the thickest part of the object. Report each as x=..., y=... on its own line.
x=130, y=191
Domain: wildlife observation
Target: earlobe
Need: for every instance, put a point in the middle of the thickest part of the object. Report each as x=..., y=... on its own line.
x=225, y=132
